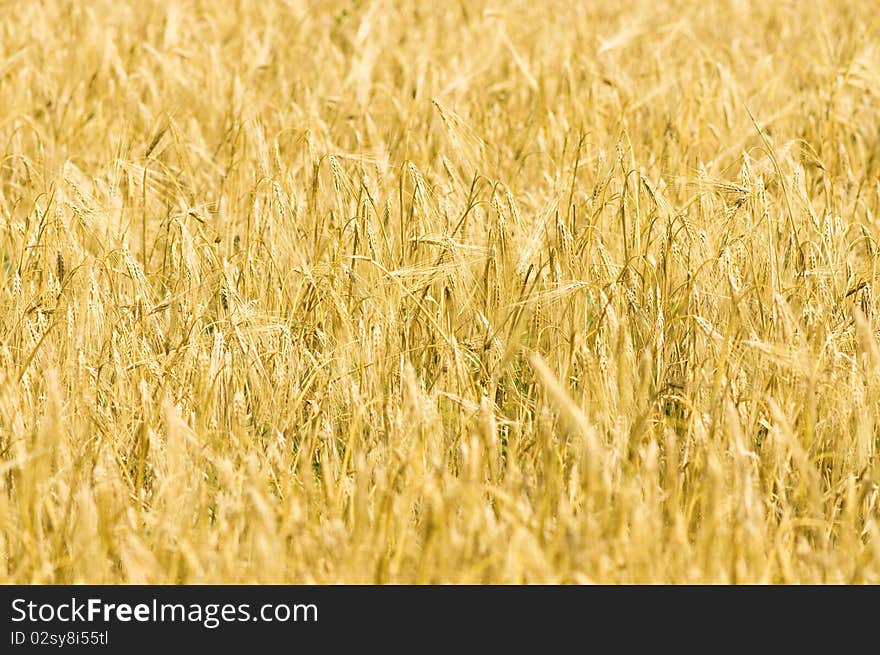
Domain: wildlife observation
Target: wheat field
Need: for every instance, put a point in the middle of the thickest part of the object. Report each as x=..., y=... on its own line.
x=389, y=292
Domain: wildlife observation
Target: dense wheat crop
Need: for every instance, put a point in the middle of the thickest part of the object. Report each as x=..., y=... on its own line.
x=466, y=292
